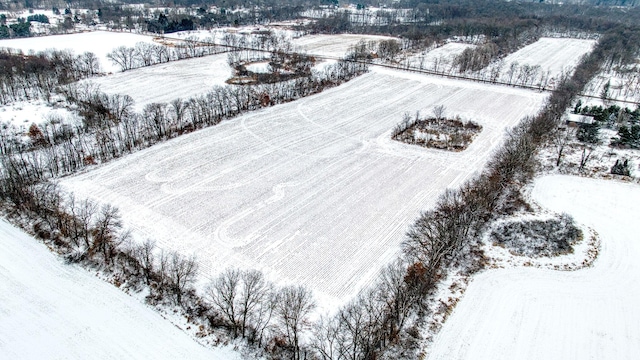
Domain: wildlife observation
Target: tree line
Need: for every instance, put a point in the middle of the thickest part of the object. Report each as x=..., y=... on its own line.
x=446, y=237
x=111, y=128
x=26, y=77
x=241, y=302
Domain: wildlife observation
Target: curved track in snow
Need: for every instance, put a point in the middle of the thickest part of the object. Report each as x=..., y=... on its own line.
x=313, y=191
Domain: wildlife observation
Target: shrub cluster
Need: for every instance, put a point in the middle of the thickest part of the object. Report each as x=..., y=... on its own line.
x=538, y=237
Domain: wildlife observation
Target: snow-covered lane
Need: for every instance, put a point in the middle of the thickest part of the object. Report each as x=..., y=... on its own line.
x=527, y=313
x=50, y=310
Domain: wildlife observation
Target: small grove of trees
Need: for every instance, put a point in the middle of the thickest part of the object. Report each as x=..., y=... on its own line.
x=25, y=77
x=147, y=54
x=41, y=18
x=436, y=132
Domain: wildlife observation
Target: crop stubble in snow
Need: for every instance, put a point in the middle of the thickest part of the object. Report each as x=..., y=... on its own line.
x=314, y=191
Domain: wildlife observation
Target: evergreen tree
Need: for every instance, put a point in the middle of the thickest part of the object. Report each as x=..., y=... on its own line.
x=589, y=133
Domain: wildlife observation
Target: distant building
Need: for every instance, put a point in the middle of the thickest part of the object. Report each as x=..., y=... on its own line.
x=579, y=119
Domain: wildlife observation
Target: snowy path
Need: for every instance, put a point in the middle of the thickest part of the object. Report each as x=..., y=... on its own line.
x=527, y=313
x=50, y=310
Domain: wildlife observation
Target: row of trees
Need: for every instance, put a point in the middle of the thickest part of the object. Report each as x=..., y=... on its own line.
x=446, y=236
x=147, y=54
x=242, y=302
x=110, y=127
x=239, y=47
x=25, y=77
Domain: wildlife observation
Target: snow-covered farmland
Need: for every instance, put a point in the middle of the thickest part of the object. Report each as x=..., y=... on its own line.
x=440, y=58
x=98, y=42
x=333, y=45
x=529, y=313
x=52, y=310
x=168, y=81
x=546, y=59
x=556, y=55
x=312, y=192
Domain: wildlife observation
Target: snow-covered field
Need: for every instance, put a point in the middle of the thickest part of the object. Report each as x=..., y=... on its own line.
x=333, y=45
x=168, y=81
x=551, y=56
x=440, y=58
x=98, y=42
x=51, y=310
x=312, y=192
x=555, y=55
x=529, y=313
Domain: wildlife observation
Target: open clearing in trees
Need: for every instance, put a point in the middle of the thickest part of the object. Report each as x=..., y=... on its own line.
x=313, y=192
x=168, y=81
x=334, y=45
x=528, y=313
x=98, y=42
x=51, y=310
x=556, y=55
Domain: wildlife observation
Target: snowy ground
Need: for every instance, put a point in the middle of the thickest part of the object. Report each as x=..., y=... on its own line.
x=333, y=45
x=22, y=114
x=313, y=192
x=440, y=58
x=529, y=313
x=556, y=55
x=98, y=42
x=168, y=81
x=623, y=85
x=51, y=310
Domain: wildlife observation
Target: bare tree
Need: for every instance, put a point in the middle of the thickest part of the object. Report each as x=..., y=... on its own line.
x=294, y=303
x=255, y=292
x=182, y=274
x=144, y=253
x=105, y=232
x=325, y=340
x=560, y=139
x=123, y=56
x=82, y=213
x=439, y=111
x=243, y=297
x=587, y=151
x=179, y=108
x=88, y=64
x=223, y=293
